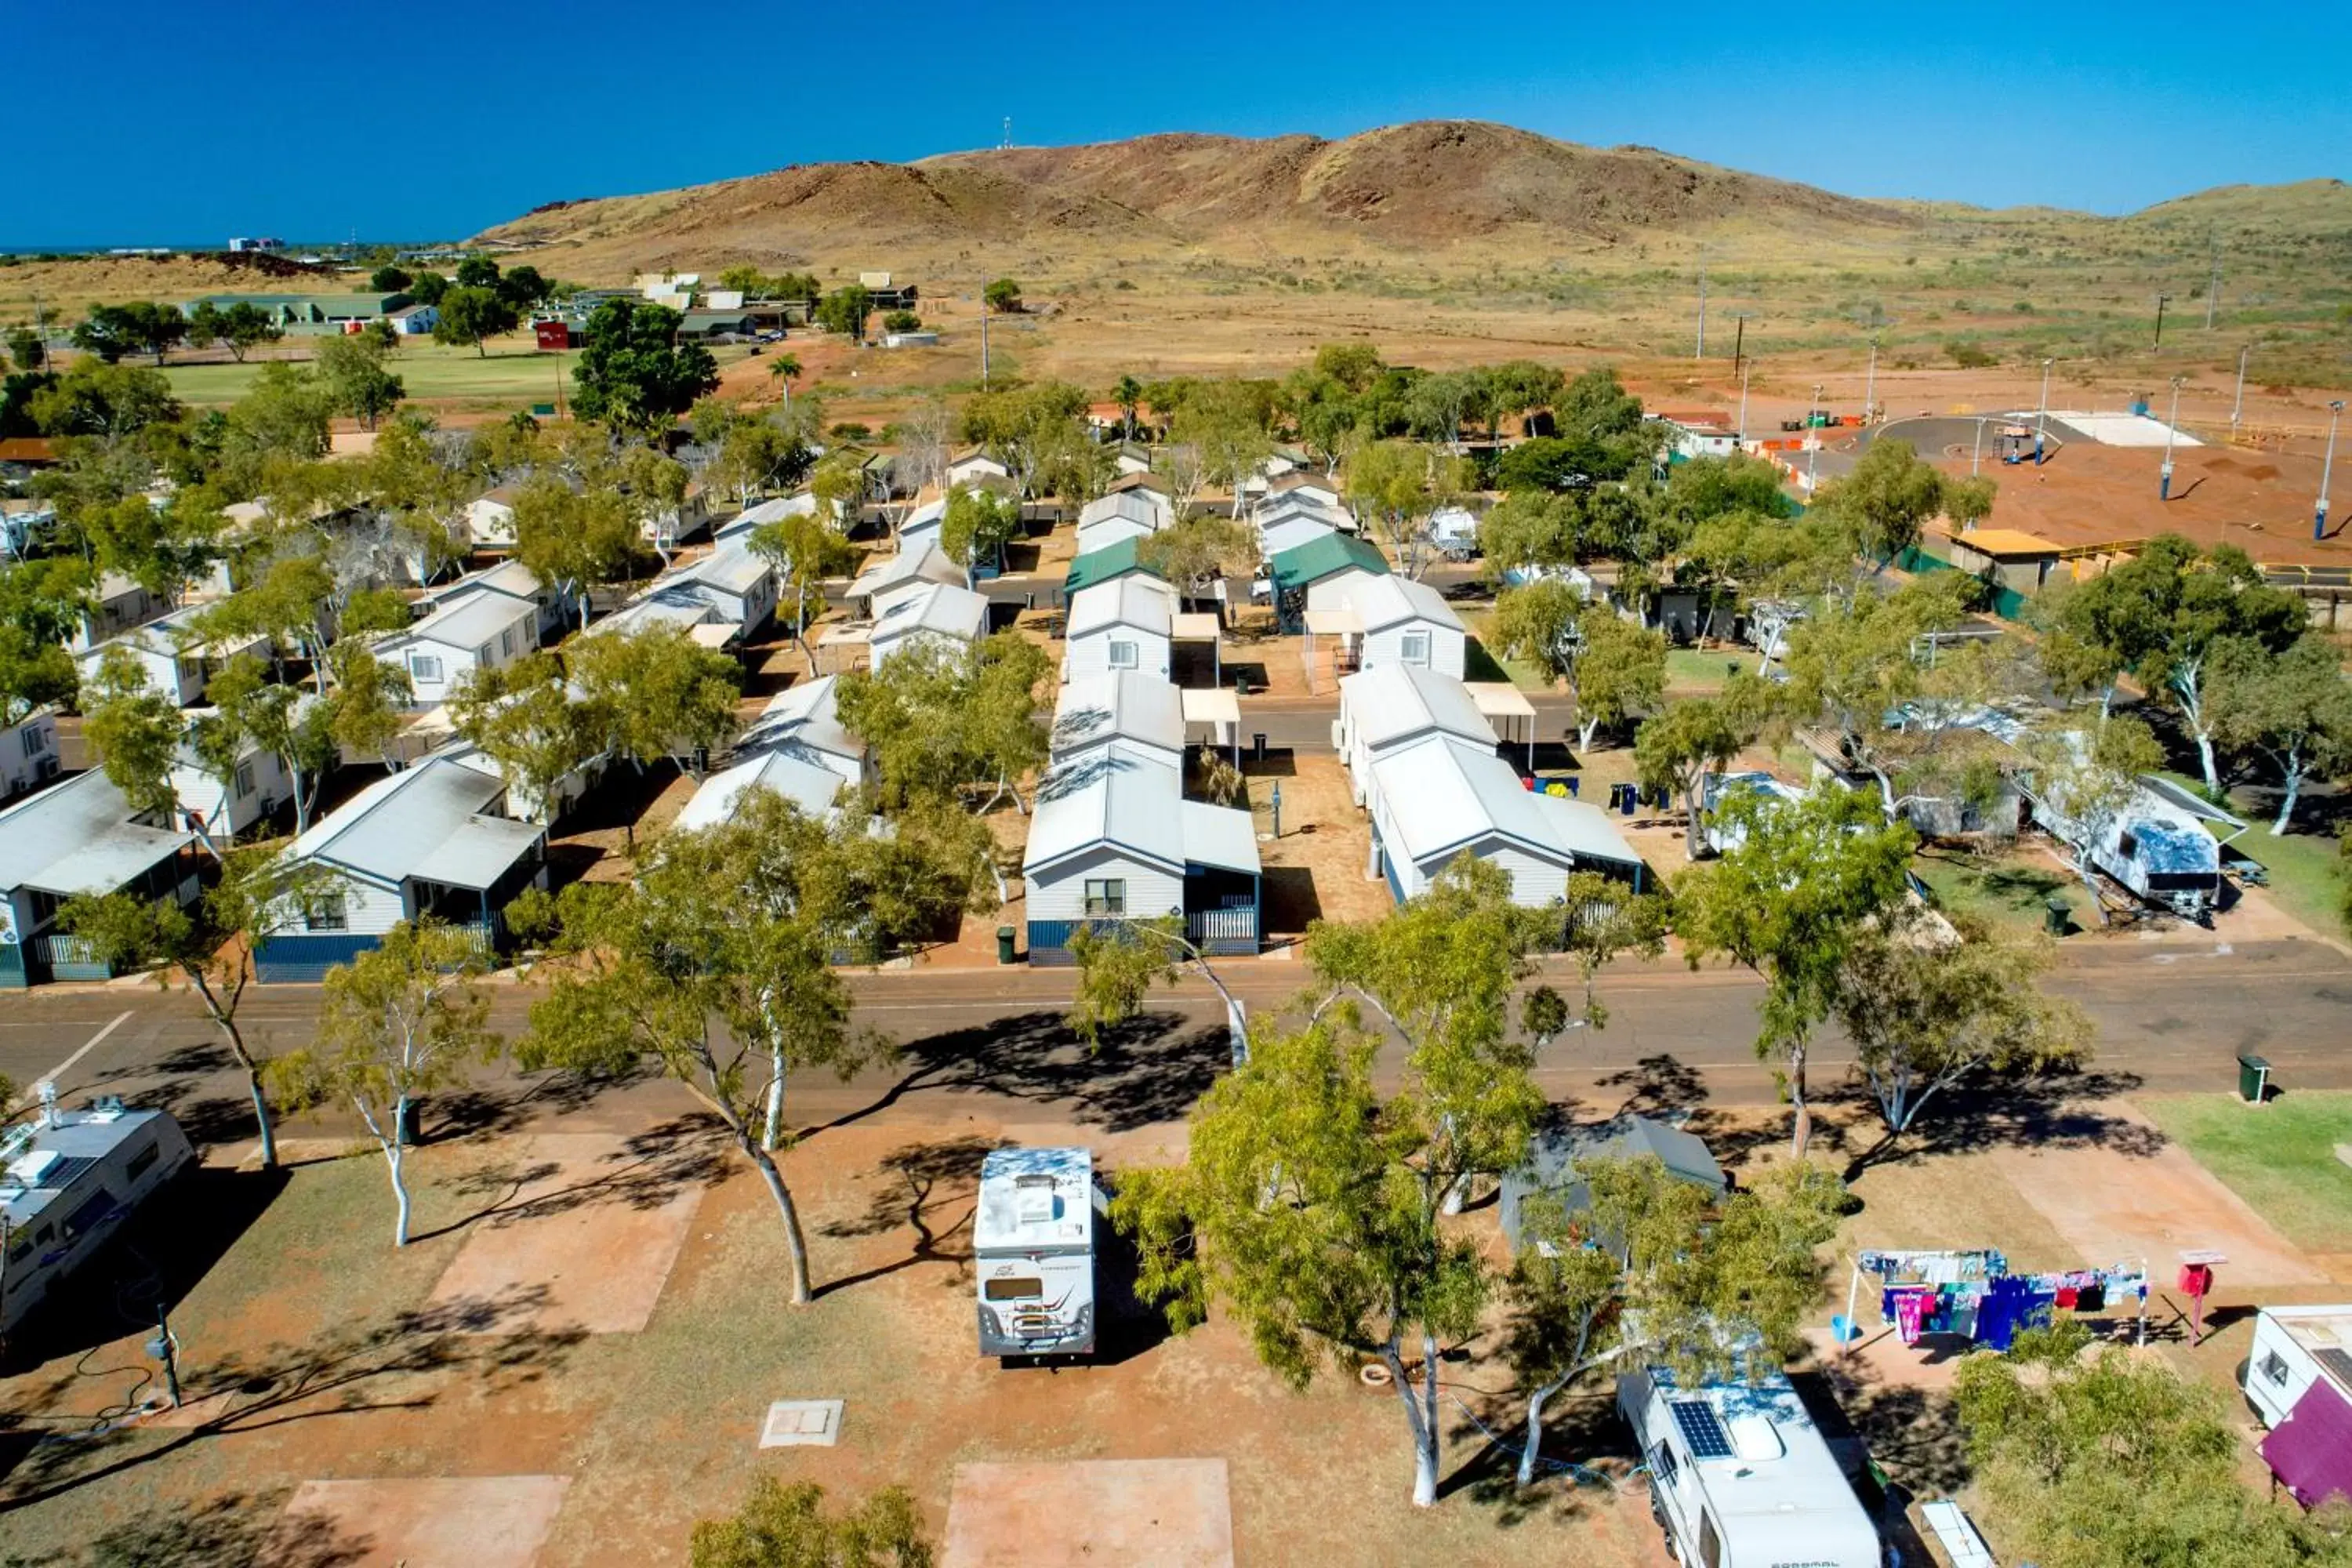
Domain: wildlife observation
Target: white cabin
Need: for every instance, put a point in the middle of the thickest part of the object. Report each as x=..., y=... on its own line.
x=557, y=610
x=1442, y=797
x=1121, y=515
x=934, y=612
x=1387, y=619
x=259, y=786
x=1741, y=1476
x=485, y=631
x=1127, y=624
x=28, y=753
x=1385, y=710
x=1119, y=707
x=804, y=721
x=177, y=666
x=1033, y=1244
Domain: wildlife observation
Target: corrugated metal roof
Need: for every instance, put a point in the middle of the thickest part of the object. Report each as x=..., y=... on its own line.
x=1119, y=705
x=925, y=562
x=1443, y=794
x=1146, y=604
x=940, y=607
x=1387, y=600
x=732, y=568
x=1392, y=702
x=1105, y=565
x=1141, y=506
x=510, y=577
x=1224, y=836
x=469, y=621
x=1321, y=558
x=426, y=821
x=78, y=838
x=1112, y=794
x=808, y=786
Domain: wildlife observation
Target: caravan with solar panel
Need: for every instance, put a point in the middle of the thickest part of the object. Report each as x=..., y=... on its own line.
x=1033, y=1243
x=1741, y=1476
x=67, y=1183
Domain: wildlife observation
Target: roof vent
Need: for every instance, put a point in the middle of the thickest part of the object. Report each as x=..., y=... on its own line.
x=1033, y=1199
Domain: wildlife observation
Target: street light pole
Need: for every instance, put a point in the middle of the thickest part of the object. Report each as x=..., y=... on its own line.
x=1702, y=308
x=1976, y=453
x=2237, y=405
x=1743, y=402
x=2326, y=472
x=2042, y=415
x=1813, y=460
x=1869, y=384
x=2171, y=428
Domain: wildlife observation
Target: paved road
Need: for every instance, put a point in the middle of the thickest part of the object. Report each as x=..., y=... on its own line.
x=2171, y=1017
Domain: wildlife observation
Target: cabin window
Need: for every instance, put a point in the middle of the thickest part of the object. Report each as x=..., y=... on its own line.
x=143, y=1161
x=424, y=667
x=37, y=741
x=1416, y=648
x=325, y=911
x=2273, y=1369
x=244, y=780
x=1014, y=1289
x=2127, y=845
x=1123, y=656
x=1107, y=898
x=482, y=653
x=92, y=1214
x=1710, y=1541
x=44, y=1235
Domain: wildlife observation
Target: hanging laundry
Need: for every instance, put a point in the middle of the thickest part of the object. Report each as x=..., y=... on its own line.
x=1910, y=1314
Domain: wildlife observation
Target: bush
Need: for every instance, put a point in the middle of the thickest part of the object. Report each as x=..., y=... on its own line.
x=1970, y=356
x=901, y=321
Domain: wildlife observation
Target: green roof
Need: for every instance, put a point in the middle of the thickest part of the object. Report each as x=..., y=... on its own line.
x=1324, y=557
x=1107, y=564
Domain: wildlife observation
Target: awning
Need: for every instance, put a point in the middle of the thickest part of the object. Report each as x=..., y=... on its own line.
x=1505, y=706
x=2311, y=1450
x=716, y=635
x=1198, y=626
x=1334, y=623
x=1216, y=708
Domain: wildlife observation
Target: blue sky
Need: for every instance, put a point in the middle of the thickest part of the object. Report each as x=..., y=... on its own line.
x=434, y=120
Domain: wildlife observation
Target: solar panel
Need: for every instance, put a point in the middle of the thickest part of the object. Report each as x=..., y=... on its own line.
x=2337, y=1362
x=1702, y=1430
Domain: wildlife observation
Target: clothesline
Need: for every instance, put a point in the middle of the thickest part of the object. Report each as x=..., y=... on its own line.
x=1972, y=1295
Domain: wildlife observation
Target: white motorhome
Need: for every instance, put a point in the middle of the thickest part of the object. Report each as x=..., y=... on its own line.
x=1740, y=1477
x=67, y=1182
x=2295, y=1348
x=1033, y=1252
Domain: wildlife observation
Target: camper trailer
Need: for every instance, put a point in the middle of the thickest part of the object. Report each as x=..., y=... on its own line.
x=67, y=1182
x=1033, y=1250
x=2298, y=1378
x=1741, y=1478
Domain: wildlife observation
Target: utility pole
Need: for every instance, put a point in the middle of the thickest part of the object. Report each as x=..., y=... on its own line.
x=2160, y=299
x=2326, y=472
x=2042, y=415
x=1869, y=384
x=1739, y=340
x=2238, y=404
x=2171, y=428
x=2213, y=282
x=983, y=343
x=1743, y=402
x=1702, y=307
x=1976, y=453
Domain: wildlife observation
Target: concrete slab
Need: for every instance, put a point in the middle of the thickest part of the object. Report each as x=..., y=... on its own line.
x=1152, y=1513
x=801, y=1424
x=2114, y=1207
x=483, y=1522
x=592, y=1224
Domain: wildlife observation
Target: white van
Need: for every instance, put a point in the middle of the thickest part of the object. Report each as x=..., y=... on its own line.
x=1741, y=1478
x=1033, y=1252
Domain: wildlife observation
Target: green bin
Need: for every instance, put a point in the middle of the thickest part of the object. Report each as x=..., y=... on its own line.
x=2254, y=1077
x=2054, y=915
x=1004, y=935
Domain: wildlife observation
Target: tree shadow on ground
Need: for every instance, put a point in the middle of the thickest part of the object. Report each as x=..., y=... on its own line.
x=230, y=1529
x=1914, y=1433
x=1290, y=902
x=2057, y=1111
x=400, y=1362
x=1148, y=1069
x=1587, y=1453
x=168, y=1244
x=646, y=1172
x=910, y=1185
x=508, y=1107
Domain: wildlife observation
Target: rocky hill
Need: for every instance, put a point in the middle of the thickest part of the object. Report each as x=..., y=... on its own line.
x=1422, y=187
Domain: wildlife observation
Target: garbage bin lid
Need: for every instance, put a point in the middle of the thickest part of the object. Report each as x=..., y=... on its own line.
x=2247, y=1058
x=1004, y=931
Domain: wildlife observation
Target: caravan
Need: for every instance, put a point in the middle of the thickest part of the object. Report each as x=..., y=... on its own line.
x=67, y=1182
x=1033, y=1250
x=1741, y=1478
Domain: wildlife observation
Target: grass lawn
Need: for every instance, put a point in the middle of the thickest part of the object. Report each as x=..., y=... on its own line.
x=513, y=375
x=2281, y=1159
x=1699, y=672
x=2007, y=890
x=1481, y=662
x=2304, y=877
